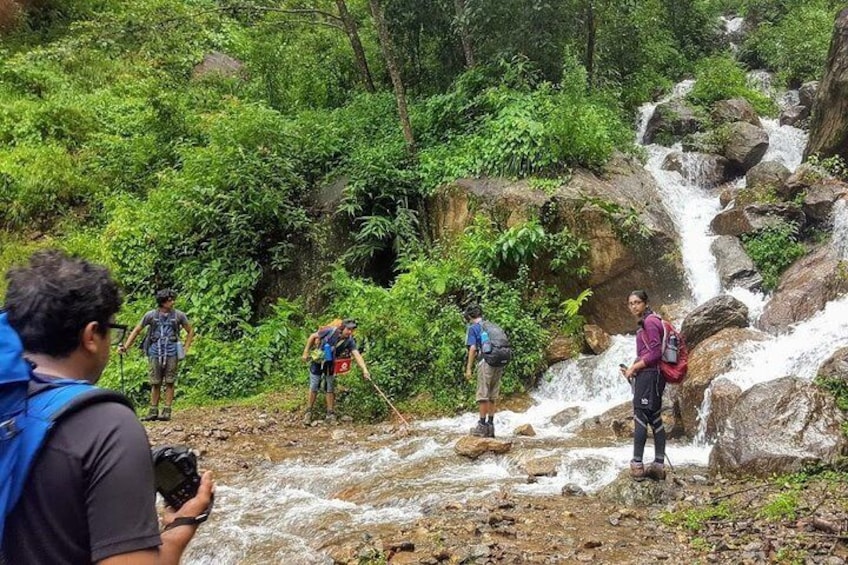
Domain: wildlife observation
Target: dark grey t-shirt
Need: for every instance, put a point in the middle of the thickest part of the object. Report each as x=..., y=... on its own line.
x=90, y=493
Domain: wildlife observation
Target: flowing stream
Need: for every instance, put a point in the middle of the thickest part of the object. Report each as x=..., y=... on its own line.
x=289, y=512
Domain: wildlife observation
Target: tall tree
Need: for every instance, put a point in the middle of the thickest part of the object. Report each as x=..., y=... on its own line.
x=464, y=32
x=355, y=44
x=387, y=48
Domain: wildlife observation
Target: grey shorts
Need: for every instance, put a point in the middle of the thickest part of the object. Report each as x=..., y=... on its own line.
x=488, y=381
x=315, y=382
x=160, y=372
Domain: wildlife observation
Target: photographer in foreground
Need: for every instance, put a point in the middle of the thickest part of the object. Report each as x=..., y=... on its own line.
x=89, y=496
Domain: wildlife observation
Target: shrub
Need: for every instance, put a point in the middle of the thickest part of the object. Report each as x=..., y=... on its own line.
x=721, y=78
x=773, y=249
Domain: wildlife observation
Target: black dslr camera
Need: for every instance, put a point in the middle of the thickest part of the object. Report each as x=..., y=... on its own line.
x=175, y=474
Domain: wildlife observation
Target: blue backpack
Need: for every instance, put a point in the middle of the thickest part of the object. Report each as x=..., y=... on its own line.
x=26, y=420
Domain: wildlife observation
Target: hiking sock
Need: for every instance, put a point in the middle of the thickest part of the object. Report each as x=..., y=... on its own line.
x=482, y=421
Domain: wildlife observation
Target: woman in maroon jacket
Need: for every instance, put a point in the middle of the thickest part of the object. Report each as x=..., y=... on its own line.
x=648, y=386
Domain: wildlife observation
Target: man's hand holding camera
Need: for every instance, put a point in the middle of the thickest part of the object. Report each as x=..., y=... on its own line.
x=199, y=506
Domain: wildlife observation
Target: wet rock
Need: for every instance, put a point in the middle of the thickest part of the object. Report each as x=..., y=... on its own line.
x=807, y=285
x=712, y=358
x=572, y=490
x=734, y=110
x=473, y=447
x=745, y=146
x=703, y=169
x=624, y=491
x=805, y=176
x=740, y=220
x=794, y=116
x=734, y=265
x=566, y=416
x=597, y=339
x=712, y=316
x=836, y=366
x=524, y=430
x=779, y=427
x=670, y=121
x=561, y=348
x=767, y=174
x=807, y=93
x=820, y=198
x=542, y=467
x=724, y=395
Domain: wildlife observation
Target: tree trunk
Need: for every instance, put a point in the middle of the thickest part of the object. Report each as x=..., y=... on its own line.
x=394, y=72
x=464, y=33
x=829, y=124
x=590, y=43
x=358, y=52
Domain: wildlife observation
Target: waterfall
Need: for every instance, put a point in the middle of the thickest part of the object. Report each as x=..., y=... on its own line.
x=840, y=228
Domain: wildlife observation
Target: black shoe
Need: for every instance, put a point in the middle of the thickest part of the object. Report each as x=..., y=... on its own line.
x=152, y=415
x=166, y=414
x=490, y=429
x=480, y=430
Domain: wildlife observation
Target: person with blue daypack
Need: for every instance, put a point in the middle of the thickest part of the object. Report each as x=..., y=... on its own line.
x=78, y=477
x=163, y=349
x=489, y=351
x=334, y=346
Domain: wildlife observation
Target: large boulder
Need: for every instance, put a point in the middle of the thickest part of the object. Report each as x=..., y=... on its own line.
x=779, y=427
x=670, y=121
x=619, y=420
x=767, y=174
x=836, y=366
x=734, y=110
x=807, y=285
x=734, y=266
x=624, y=491
x=596, y=338
x=593, y=208
x=702, y=169
x=560, y=348
x=723, y=398
x=807, y=94
x=819, y=199
x=712, y=358
x=829, y=123
x=794, y=116
x=565, y=417
x=712, y=316
x=740, y=220
x=745, y=146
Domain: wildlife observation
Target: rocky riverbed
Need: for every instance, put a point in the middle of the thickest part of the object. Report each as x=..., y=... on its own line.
x=691, y=517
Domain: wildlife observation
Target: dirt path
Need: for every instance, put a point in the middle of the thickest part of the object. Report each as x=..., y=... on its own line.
x=702, y=521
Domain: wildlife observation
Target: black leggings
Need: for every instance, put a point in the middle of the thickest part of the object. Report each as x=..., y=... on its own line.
x=642, y=419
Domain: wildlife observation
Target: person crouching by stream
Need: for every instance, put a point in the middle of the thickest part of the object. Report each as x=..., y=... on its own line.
x=648, y=386
x=331, y=344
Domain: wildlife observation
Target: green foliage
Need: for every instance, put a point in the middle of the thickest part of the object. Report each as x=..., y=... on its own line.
x=837, y=387
x=834, y=165
x=721, y=78
x=781, y=506
x=773, y=249
x=695, y=519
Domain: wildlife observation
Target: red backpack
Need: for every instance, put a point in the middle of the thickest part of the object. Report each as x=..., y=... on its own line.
x=675, y=356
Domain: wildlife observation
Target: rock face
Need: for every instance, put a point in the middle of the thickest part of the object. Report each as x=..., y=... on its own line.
x=819, y=199
x=807, y=94
x=836, y=367
x=712, y=358
x=734, y=266
x=753, y=217
x=561, y=348
x=713, y=316
x=778, y=427
x=804, y=289
x=723, y=398
x=734, y=110
x=794, y=116
x=473, y=447
x=767, y=173
x=671, y=121
x=617, y=263
x=829, y=123
x=746, y=145
x=703, y=169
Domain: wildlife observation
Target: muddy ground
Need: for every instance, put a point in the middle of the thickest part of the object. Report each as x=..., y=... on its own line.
x=703, y=520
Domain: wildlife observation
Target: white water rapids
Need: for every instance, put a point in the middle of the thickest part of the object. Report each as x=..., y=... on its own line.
x=290, y=512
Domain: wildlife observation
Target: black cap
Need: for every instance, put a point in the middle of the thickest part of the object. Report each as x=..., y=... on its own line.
x=350, y=323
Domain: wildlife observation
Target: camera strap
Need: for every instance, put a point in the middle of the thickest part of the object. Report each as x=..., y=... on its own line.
x=191, y=521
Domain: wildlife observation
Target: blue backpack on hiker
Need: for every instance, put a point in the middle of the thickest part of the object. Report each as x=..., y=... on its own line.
x=26, y=420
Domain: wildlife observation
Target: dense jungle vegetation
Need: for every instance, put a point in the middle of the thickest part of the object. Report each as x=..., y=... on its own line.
x=115, y=146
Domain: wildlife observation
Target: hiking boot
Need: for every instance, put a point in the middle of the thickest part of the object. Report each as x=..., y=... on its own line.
x=330, y=418
x=637, y=471
x=166, y=414
x=307, y=418
x=490, y=429
x=152, y=414
x=481, y=430
x=655, y=471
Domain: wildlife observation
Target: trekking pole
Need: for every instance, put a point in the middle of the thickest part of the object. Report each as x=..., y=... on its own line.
x=121, y=365
x=389, y=402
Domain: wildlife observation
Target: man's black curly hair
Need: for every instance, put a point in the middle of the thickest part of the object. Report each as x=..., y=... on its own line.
x=51, y=300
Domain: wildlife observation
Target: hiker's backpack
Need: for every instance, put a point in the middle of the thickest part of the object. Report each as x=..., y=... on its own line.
x=154, y=326
x=675, y=356
x=26, y=420
x=498, y=352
